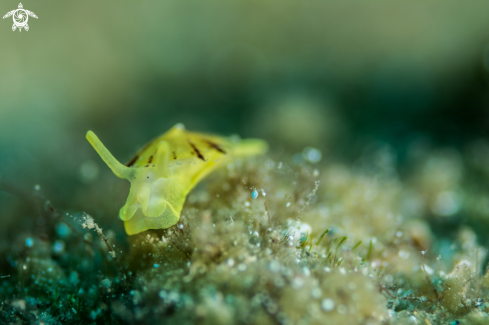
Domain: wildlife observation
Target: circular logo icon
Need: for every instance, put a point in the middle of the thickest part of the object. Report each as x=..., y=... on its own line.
x=20, y=17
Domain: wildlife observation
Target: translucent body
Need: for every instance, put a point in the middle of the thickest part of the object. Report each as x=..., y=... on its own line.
x=166, y=169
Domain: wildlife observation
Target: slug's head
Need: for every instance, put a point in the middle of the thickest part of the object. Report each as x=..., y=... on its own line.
x=153, y=193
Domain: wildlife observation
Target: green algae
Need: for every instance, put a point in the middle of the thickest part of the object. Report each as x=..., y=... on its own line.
x=321, y=244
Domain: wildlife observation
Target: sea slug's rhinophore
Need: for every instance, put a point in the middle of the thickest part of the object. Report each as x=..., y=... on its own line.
x=164, y=171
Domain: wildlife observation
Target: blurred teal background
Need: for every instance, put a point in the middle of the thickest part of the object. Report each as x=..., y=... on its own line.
x=335, y=76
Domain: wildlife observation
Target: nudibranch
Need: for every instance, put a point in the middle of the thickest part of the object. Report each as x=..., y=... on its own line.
x=164, y=171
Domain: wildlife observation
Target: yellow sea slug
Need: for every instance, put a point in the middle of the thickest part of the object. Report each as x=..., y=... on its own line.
x=164, y=171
